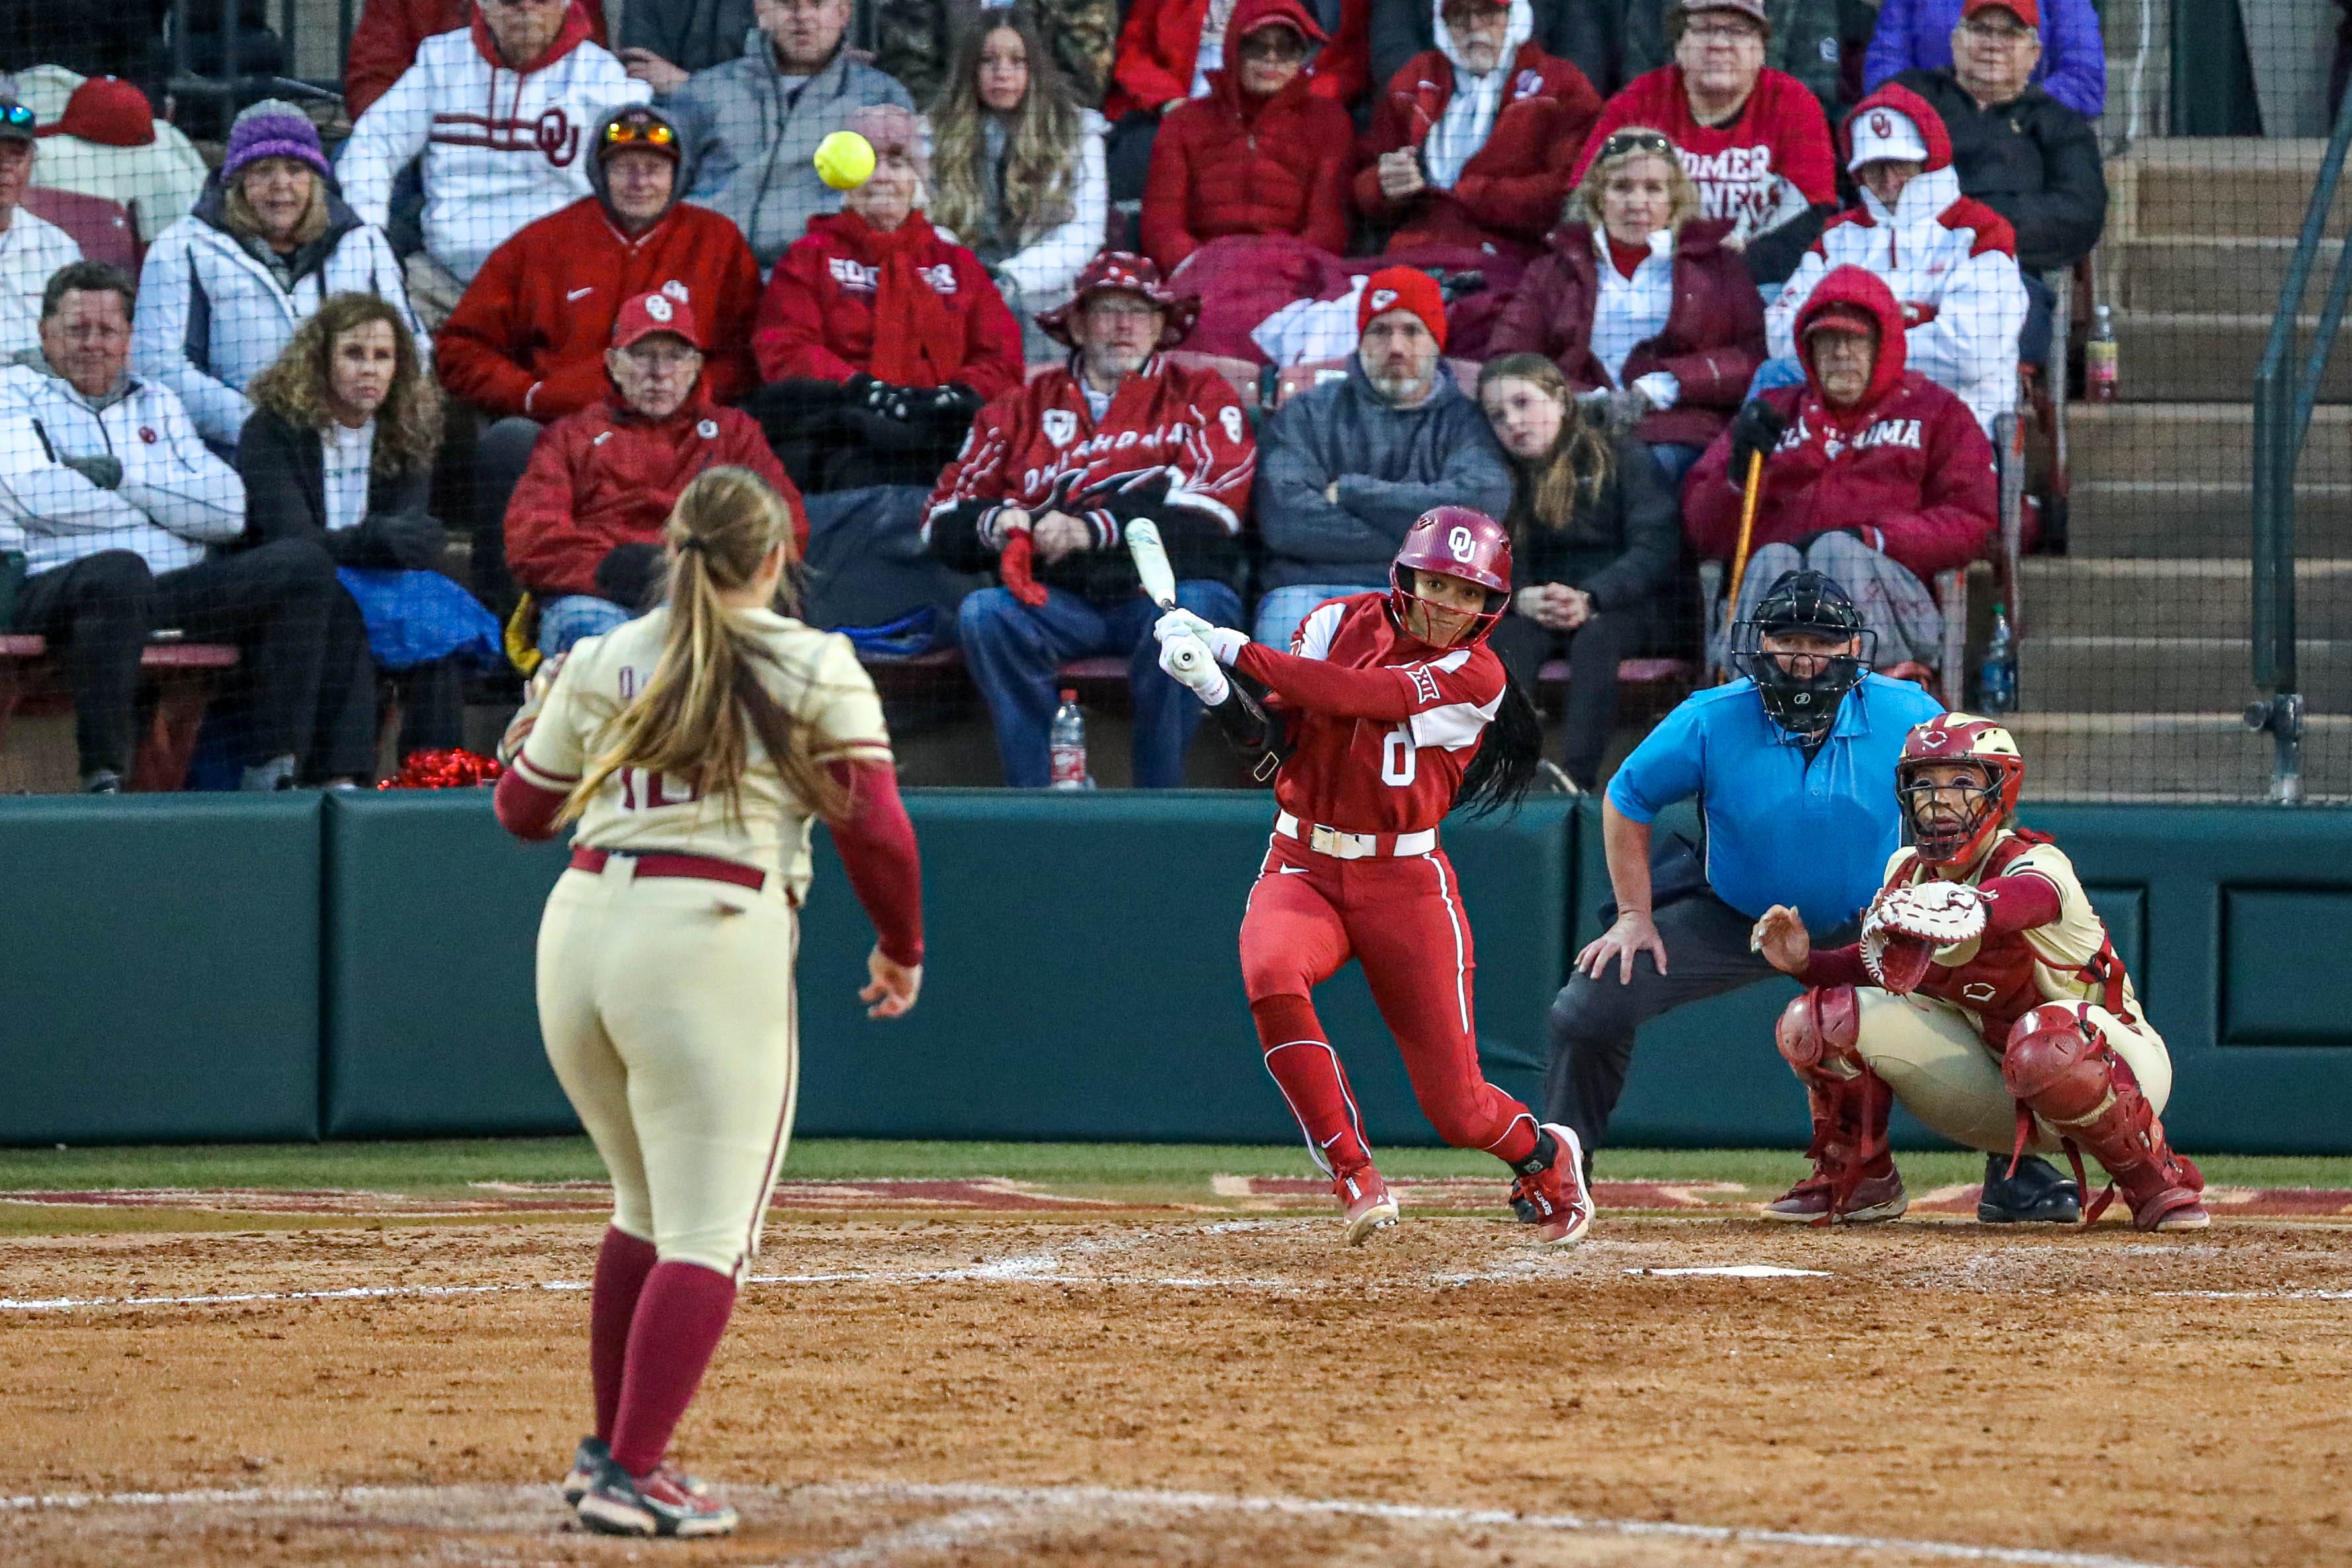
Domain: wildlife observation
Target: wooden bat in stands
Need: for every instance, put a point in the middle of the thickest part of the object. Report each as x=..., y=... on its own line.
x=1158, y=581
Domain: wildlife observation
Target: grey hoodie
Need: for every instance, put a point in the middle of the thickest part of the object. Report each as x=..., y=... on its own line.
x=760, y=134
x=690, y=149
x=1391, y=465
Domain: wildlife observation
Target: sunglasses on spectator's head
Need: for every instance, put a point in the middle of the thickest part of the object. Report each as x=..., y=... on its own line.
x=651, y=133
x=1620, y=143
x=16, y=116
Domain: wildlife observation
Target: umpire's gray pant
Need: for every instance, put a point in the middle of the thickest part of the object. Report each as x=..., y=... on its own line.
x=1594, y=1021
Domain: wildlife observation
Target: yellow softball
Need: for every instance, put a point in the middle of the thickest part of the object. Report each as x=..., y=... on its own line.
x=845, y=159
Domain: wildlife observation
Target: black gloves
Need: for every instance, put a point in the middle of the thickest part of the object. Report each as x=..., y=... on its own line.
x=103, y=470
x=872, y=395
x=409, y=539
x=953, y=403
x=630, y=574
x=1755, y=431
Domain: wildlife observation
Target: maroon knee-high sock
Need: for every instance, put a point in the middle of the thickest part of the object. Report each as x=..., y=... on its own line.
x=1303, y=1062
x=622, y=1265
x=678, y=1320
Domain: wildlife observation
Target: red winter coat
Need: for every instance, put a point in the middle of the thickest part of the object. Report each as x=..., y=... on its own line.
x=529, y=335
x=1229, y=163
x=1712, y=341
x=1908, y=465
x=1510, y=191
x=817, y=316
x=604, y=476
x=383, y=42
x=1161, y=43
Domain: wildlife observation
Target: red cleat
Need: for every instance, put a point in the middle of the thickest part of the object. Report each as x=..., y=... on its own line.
x=1364, y=1202
x=1555, y=1200
x=1873, y=1201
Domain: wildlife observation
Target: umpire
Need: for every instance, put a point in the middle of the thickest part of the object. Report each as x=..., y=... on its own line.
x=1794, y=770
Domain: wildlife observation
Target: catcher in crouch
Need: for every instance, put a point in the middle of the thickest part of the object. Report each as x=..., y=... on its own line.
x=1985, y=996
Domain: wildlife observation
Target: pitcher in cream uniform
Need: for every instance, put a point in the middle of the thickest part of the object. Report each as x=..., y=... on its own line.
x=695, y=748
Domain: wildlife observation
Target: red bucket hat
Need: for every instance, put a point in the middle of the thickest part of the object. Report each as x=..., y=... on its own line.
x=1124, y=272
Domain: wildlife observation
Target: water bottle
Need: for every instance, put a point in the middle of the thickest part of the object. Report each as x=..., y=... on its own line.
x=1999, y=678
x=1065, y=744
x=2100, y=366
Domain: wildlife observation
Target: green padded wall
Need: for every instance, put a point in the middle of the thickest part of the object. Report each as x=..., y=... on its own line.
x=163, y=969
x=1083, y=978
x=432, y=915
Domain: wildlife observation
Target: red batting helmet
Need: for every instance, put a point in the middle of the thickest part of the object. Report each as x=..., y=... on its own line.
x=1461, y=542
x=1959, y=738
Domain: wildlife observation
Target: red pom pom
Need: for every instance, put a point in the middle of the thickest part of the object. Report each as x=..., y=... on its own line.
x=454, y=768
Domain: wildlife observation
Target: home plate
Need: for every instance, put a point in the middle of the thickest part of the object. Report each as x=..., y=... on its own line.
x=1735, y=1271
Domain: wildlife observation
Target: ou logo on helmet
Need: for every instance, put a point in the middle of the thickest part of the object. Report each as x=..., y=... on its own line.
x=1459, y=542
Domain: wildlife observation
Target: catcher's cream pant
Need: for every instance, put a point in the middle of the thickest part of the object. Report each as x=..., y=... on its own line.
x=669, y=1015
x=1930, y=1056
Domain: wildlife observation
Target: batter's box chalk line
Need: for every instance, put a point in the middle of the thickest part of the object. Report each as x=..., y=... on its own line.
x=985, y=1510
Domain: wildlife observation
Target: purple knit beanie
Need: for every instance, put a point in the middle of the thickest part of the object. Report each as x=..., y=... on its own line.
x=273, y=129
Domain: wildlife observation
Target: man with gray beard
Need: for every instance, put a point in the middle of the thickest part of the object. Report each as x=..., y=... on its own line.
x=1349, y=465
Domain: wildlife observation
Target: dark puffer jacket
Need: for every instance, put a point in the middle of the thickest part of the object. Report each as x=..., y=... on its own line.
x=1711, y=343
x=2033, y=160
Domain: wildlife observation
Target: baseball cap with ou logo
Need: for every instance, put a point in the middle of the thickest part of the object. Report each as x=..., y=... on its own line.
x=1886, y=135
x=647, y=314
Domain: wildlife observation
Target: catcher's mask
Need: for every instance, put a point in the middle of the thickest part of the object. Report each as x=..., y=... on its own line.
x=1943, y=836
x=1802, y=690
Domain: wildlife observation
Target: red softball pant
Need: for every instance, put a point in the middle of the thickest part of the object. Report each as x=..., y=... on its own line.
x=1402, y=919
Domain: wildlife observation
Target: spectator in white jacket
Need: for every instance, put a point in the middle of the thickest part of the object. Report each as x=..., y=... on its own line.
x=31, y=248
x=1949, y=258
x=1019, y=166
x=222, y=290
x=120, y=512
x=501, y=113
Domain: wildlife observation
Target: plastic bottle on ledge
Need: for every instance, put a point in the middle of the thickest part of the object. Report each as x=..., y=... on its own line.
x=1065, y=745
x=1998, y=681
x=2101, y=368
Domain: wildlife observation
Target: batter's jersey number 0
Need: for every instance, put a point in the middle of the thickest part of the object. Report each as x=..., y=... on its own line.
x=1399, y=758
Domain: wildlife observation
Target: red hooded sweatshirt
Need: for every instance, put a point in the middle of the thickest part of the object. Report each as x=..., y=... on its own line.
x=606, y=475
x=1161, y=43
x=529, y=335
x=905, y=307
x=383, y=44
x=1230, y=164
x=1510, y=191
x=1906, y=465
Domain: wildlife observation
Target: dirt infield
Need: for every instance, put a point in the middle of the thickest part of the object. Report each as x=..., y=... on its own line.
x=1188, y=1388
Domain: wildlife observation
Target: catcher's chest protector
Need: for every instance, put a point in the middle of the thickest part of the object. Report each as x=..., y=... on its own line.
x=1993, y=977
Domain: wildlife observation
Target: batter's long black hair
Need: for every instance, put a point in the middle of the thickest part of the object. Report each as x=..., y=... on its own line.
x=1500, y=775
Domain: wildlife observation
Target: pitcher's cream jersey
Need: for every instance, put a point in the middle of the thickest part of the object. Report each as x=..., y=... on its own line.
x=2067, y=959
x=815, y=677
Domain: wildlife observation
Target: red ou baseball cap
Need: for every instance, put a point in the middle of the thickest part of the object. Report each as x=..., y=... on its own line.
x=2026, y=11
x=647, y=314
x=108, y=111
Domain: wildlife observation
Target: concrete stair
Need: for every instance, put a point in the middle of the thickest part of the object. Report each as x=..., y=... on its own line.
x=2136, y=662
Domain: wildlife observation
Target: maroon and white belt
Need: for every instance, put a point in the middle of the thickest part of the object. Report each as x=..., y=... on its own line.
x=698, y=867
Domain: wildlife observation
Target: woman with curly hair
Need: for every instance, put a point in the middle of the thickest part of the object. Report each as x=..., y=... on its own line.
x=340, y=448
x=1018, y=164
x=1594, y=532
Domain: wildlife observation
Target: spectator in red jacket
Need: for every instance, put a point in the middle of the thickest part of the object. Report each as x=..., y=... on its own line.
x=879, y=338
x=583, y=531
x=1641, y=304
x=1753, y=140
x=527, y=343
x=1476, y=141
x=1872, y=474
x=383, y=44
x=1055, y=472
x=1168, y=49
x=1262, y=153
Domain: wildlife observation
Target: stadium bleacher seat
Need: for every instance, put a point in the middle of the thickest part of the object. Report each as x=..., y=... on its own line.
x=179, y=675
x=103, y=229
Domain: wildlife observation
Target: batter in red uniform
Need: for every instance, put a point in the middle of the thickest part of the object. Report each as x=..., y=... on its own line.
x=1385, y=705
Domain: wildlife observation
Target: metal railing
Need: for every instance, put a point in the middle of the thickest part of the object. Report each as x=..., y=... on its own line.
x=2284, y=394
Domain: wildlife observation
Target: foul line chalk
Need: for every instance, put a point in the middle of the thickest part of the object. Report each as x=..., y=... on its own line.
x=1099, y=1501
x=1735, y=1271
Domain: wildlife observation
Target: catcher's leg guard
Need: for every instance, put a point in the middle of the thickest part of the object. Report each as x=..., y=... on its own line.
x=2061, y=1068
x=1817, y=1034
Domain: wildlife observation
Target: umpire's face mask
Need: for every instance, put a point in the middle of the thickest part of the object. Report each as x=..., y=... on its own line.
x=1803, y=676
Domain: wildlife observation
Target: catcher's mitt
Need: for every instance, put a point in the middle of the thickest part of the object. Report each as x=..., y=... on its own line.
x=1907, y=925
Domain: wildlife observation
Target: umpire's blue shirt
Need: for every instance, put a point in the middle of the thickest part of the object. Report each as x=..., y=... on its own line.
x=1780, y=830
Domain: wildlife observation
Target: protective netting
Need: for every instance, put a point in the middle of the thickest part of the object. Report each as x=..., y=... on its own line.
x=216, y=572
